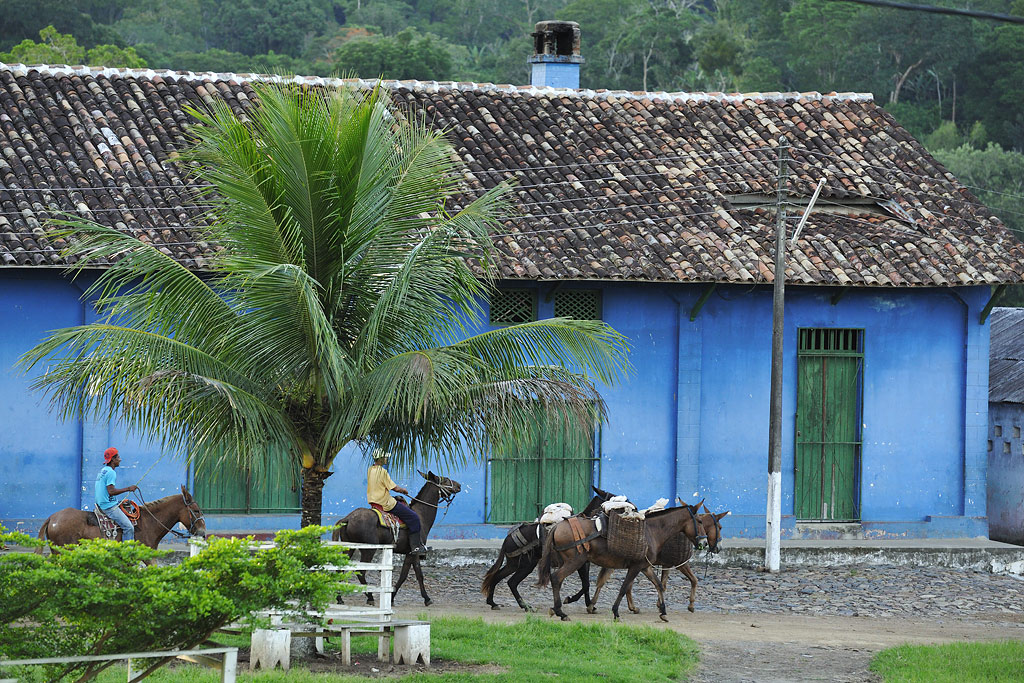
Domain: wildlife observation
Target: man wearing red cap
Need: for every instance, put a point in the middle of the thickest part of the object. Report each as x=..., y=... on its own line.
x=106, y=489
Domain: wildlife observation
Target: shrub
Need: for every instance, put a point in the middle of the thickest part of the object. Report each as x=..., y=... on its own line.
x=98, y=596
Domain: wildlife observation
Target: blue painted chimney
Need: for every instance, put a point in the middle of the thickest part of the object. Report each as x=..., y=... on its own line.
x=556, y=55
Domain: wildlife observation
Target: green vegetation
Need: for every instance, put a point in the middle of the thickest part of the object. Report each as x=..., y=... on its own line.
x=928, y=68
x=97, y=597
x=533, y=650
x=952, y=663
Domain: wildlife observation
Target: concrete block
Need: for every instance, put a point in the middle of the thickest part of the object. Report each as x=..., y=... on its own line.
x=271, y=647
x=412, y=644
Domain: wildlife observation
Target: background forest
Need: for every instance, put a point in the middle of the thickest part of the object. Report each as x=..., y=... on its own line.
x=954, y=82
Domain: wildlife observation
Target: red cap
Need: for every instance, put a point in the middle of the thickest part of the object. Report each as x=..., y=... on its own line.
x=109, y=454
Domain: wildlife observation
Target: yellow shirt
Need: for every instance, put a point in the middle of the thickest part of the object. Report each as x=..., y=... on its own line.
x=378, y=487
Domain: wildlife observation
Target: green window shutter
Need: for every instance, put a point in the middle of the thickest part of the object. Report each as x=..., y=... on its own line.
x=513, y=306
x=581, y=304
x=554, y=465
x=830, y=365
x=222, y=487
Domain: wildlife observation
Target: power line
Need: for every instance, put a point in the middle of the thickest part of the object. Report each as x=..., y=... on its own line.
x=977, y=14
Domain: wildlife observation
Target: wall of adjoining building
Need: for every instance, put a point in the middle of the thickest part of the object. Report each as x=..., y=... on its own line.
x=1006, y=472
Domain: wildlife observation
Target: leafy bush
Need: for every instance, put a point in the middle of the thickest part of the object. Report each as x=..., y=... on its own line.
x=98, y=597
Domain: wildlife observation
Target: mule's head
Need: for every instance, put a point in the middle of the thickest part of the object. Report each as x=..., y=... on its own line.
x=190, y=516
x=448, y=487
x=712, y=528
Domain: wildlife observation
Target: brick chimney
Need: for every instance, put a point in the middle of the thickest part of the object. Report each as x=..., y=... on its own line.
x=556, y=54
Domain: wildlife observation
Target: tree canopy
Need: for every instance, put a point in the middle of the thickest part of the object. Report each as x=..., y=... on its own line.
x=342, y=309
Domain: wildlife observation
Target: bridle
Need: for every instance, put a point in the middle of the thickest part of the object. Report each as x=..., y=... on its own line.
x=195, y=516
x=446, y=493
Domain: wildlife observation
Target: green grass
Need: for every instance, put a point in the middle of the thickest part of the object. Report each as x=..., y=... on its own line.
x=533, y=650
x=952, y=663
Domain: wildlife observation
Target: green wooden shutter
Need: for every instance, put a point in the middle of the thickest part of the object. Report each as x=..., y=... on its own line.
x=555, y=465
x=828, y=445
x=222, y=487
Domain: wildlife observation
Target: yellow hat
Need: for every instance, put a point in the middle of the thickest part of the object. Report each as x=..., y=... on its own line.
x=380, y=454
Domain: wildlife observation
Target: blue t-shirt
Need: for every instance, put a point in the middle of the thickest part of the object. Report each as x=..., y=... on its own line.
x=104, y=500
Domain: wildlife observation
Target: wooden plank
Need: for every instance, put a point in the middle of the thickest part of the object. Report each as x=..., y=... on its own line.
x=116, y=657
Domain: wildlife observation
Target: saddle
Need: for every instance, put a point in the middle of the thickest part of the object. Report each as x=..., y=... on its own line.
x=386, y=519
x=108, y=526
x=523, y=544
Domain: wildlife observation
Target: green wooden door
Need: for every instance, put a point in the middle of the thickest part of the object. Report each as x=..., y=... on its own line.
x=828, y=445
x=223, y=487
x=555, y=465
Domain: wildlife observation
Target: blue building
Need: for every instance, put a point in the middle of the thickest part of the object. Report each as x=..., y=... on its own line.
x=652, y=211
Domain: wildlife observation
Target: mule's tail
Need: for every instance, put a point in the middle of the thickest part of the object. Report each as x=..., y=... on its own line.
x=339, y=531
x=544, y=573
x=491, y=577
x=42, y=534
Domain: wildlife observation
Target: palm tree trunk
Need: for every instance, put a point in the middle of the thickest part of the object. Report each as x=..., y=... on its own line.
x=312, y=495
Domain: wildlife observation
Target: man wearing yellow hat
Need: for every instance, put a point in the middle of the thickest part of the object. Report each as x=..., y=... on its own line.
x=378, y=493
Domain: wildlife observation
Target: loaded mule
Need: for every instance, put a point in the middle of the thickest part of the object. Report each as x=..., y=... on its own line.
x=675, y=554
x=576, y=541
x=520, y=552
x=366, y=525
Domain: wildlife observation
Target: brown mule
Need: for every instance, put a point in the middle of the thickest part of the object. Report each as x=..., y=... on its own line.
x=156, y=521
x=675, y=554
x=362, y=526
x=659, y=528
x=519, y=563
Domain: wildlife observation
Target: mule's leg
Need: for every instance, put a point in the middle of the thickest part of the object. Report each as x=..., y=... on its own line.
x=627, y=584
x=522, y=570
x=649, y=573
x=688, y=573
x=401, y=576
x=584, y=591
x=419, y=577
x=567, y=568
x=602, y=579
x=506, y=569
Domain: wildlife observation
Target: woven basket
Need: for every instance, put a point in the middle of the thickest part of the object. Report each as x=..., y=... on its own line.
x=676, y=550
x=626, y=537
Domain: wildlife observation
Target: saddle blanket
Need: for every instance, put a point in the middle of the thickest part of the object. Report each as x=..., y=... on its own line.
x=108, y=526
x=387, y=520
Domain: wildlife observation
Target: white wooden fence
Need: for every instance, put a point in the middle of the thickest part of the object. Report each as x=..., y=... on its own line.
x=355, y=618
x=227, y=663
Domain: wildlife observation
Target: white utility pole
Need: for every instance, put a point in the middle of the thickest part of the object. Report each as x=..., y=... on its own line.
x=773, y=517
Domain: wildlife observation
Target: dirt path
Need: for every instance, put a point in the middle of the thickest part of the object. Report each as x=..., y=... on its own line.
x=739, y=647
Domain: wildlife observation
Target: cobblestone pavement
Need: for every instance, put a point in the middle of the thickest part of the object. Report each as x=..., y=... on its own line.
x=852, y=590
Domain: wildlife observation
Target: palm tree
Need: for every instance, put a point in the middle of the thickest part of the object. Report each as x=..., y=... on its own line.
x=338, y=308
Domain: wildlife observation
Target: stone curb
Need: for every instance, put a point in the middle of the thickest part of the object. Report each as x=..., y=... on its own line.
x=1001, y=560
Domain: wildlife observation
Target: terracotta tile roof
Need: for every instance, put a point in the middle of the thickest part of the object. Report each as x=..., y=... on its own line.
x=610, y=185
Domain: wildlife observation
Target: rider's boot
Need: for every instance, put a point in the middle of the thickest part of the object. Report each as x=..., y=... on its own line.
x=416, y=546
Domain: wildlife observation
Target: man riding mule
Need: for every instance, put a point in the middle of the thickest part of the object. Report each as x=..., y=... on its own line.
x=364, y=525
x=156, y=520
x=576, y=541
x=378, y=494
x=106, y=491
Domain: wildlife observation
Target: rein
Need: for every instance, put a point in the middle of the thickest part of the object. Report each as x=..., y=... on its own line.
x=446, y=495
x=193, y=517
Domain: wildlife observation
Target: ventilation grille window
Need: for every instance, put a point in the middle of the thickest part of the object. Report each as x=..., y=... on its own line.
x=831, y=341
x=513, y=306
x=583, y=304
